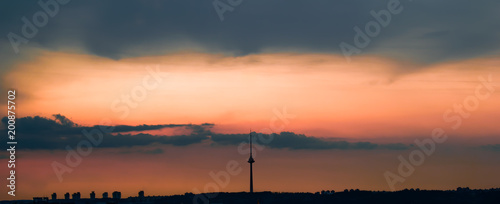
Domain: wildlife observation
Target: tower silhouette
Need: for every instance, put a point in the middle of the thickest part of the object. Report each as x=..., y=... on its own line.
x=251, y=161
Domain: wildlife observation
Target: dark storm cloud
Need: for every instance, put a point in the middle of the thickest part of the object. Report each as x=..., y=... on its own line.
x=62, y=125
x=425, y=31
x=45, y=133
x=291, y=140
x=50, y=134
x=492, y=147
x=64, y=121
x=153, y=151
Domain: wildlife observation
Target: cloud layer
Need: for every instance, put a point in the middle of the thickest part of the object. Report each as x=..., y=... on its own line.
x=424, y=31
x=290, y=140
x=51, y=134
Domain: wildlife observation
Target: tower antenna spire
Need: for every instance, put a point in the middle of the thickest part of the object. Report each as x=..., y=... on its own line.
x=251, y=143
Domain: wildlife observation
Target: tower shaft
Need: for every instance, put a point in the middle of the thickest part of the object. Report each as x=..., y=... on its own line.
x=251, y=178
x=251, y=161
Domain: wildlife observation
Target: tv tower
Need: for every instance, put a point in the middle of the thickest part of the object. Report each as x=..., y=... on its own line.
x=251, y=161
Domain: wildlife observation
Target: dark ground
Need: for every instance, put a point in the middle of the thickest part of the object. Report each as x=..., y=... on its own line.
x=459, y=196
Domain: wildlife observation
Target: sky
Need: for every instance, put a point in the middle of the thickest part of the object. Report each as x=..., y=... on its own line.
x=161, y=96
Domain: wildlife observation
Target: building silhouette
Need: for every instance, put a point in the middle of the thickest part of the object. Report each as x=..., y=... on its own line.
x=54, y=196
x=76, y=196
x=92, y=195
x=105, y=195
x=66, y=196
x=117, y=195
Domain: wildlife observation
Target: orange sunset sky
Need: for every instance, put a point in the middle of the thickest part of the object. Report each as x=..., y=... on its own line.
x=182, y=90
